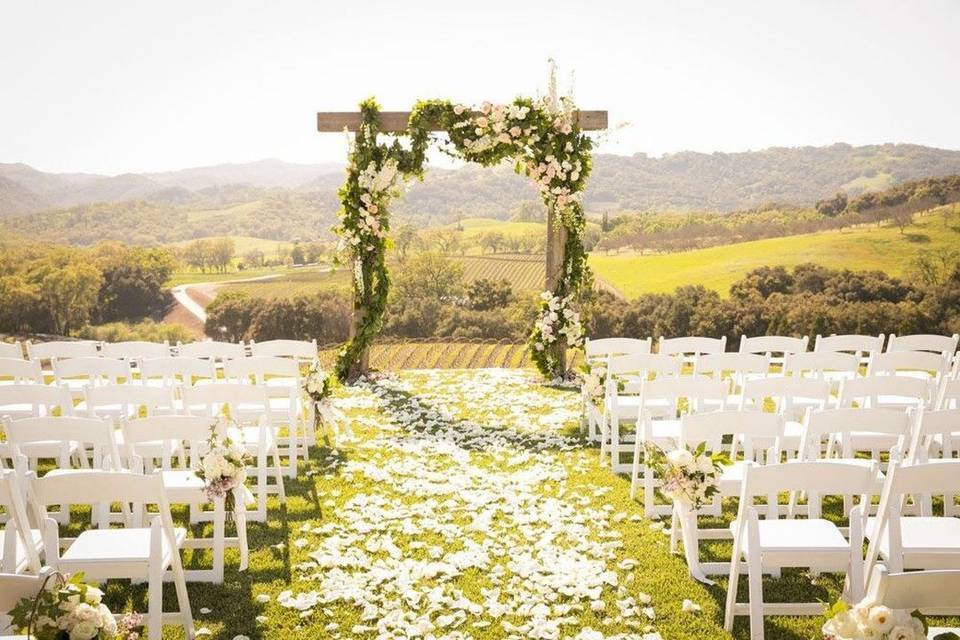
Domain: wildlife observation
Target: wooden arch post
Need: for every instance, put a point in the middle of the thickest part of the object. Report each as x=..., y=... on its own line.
x=395, y=122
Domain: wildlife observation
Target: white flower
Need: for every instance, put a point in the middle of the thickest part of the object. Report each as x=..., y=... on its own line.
x=689, y=606
x=880, y=619
x=680, y=457
x=85, y=630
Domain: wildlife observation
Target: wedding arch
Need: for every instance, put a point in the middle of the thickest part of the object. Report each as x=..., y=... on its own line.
x=545, y=138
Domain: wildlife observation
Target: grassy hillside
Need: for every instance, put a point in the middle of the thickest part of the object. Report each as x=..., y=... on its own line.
x=883, y=248
x=291, y=282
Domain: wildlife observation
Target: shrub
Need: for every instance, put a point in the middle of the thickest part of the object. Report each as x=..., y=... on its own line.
x=147, y=330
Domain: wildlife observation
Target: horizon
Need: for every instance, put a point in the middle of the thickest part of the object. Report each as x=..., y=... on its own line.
x=452, y=165
x=111, y=87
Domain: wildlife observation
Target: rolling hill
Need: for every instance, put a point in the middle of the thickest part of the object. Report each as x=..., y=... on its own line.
x=863, y=248
x=687, y=180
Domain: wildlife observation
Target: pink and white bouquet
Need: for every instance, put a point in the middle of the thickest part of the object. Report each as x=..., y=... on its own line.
x=223, y=467
x=689, y=477
x=66, y=608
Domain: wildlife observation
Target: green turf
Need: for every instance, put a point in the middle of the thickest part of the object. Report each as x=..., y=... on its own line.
x=716, y=268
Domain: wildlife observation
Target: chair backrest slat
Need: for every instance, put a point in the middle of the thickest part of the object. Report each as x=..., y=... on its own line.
x=212, y=350
x=924, y=342
x=606, y=347
x=849, y=343
x=133, y=349
x=20, y=370
x=61, y=350
x=296, y=349
x=912, y=590
x=11, y=350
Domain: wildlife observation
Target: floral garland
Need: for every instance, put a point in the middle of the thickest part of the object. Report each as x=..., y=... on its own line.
x=868, y=620
x=69, y=609
x=546, y=143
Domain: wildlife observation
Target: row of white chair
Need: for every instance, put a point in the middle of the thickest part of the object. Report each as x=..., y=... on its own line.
x=768, y=544
x=134, y=349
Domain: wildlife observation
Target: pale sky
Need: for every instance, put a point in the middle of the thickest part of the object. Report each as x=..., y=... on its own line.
x=126, y=85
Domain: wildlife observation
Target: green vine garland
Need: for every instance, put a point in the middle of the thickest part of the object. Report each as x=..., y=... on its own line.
x=546, y=144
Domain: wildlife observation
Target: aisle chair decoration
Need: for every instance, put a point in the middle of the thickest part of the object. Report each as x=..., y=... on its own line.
x=223, y=469
x=65, y=608
x=318, y=385
x=690, y=477
x=874, y=621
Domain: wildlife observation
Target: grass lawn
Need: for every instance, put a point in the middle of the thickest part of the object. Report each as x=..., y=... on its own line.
x=864, y=248
x=467, y=505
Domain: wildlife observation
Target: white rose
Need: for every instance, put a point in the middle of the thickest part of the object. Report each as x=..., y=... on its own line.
x=85, y=630
x=93, y=595
x=880, y=619
x=902, y=633
x=705, y=464
x=107, y=622
x=680, y=457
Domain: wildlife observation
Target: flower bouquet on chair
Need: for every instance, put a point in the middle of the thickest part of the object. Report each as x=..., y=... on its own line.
x=318, y=385
x=223, y=468
x=690, y=478
x=66, y=608
x=866, y=620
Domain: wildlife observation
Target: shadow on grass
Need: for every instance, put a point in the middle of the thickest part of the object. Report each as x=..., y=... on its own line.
x=469, y=435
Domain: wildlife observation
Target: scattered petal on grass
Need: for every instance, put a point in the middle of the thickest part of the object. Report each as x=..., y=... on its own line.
x=689, y=606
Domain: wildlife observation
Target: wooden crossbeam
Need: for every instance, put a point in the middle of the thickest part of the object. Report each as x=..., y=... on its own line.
x=396, y=121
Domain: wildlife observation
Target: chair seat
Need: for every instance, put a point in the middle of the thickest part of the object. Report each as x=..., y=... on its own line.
x=116, y=553
x=731, y=480
x=798, y=536
x=21, y=553
x=183, y=486
x=923, y=534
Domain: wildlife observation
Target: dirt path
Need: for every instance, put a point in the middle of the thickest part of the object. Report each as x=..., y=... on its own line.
x=193, y=298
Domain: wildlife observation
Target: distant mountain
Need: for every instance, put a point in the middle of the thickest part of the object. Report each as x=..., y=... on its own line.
x=262, y=173
x=39, y=191
x=279, y=200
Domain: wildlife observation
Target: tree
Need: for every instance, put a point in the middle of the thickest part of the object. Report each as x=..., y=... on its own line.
x=221, y=253
x=197, y=253
x=429, y=276
x=254, y=258
x=297, y=254
x=403, y=239
x=492, y=240
x=69, y=294
x=133, y=283
x=834, y=206
x=484, y=295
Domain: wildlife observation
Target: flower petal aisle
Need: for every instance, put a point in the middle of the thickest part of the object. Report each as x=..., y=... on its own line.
x=466, y=506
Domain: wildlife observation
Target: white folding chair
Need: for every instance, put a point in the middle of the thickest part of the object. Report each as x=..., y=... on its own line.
x=936, y=437
x=20, y=371
x=120, y=401
x=946, y=345
x=184, y=487
x=915, y=542
x=900, y=392
x=212, y=350
x=280, y=377
x=25, y=400
x=11, y=350
x=61, y=350
x=916, y=364
x=948, y=397
x=135, y=552
x=20, y=545
x=743, y=429
x=833, y=366
x=627, y=371
x=790, y=397
x=76, y=374
x=598, y=353
x=64, y=439
x=931, y=592
x=303, y=351
x=770, y=345
x=172, y=372
x=662, y=401
x=817, y=543
x=248, y=405
x=690, y=348
x=859, y=345
x=734, y=367
x=135, y=349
